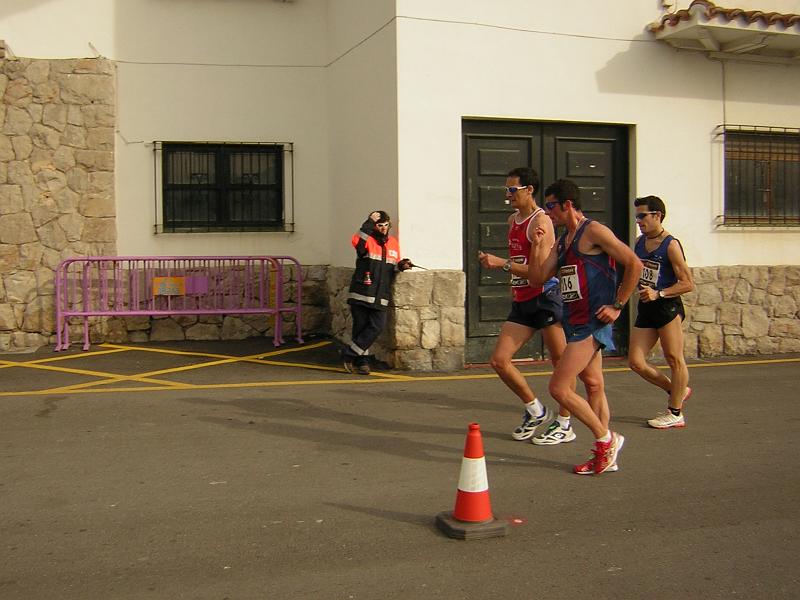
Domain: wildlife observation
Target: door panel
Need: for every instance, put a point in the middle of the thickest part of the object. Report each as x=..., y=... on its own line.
x=594, y=156
x=490, y=154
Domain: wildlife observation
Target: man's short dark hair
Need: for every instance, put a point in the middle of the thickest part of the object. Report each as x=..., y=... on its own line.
x=653, y=203
x=383, y=218
x=527, y=176
x=563, y=190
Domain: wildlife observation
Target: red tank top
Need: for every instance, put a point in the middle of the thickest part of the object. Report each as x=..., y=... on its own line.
x=519, y=249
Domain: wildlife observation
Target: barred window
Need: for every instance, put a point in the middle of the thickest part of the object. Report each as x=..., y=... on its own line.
x=762, y=176
x=223, y=187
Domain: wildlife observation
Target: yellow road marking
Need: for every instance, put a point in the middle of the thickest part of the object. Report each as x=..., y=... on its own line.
x=144, y=377
x=362, y=380
x=212, y=355
x=10, y=363
x=84, y=372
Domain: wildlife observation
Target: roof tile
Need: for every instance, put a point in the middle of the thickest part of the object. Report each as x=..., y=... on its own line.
x=710, y=10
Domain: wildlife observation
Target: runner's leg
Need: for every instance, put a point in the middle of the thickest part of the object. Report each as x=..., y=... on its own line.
x=592, y=378
x=512, y=337
x=556, y=343
x=575, y=359
x=640, y=344
x=671, y=336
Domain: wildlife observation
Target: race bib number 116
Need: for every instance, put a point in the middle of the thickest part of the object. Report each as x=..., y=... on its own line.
x=570, y=283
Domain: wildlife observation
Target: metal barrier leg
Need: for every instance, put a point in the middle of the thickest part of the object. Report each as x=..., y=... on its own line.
x=85, y=333
x=59, y=326
x=65, y=343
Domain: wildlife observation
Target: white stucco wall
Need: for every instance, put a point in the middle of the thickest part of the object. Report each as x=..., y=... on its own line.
x=569, y=61
x=318, y=73
x=362, y=113
x=226, y=71
x=374, y=105
x=57, y=28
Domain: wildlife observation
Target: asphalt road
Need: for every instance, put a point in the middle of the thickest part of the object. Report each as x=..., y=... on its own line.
x=324, y=485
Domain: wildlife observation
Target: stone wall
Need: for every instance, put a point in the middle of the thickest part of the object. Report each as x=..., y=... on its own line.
x=743, y=311
x=426, y=326
x=57, y=122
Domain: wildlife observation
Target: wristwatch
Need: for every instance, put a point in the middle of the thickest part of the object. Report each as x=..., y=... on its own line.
x=507, y=266
x=618, y=305
x=661, y=294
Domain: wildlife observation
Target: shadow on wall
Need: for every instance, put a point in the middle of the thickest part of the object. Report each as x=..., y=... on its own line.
x=655, y=69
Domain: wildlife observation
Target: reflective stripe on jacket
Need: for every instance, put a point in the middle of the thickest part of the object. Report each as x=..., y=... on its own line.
x=380, y=261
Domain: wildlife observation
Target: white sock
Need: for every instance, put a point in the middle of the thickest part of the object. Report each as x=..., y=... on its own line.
x=535, y=408
x=606, y=438
x=563, y=422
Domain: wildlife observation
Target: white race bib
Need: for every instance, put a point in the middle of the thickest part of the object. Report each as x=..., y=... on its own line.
x=516, y=280
x=570, y=283
x=649, y=276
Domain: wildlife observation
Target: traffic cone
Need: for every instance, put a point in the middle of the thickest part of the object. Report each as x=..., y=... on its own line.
x=472, y=517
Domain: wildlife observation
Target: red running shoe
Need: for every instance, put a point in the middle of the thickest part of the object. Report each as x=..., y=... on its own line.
x=587, y=468
x=606, y=453
x=600, y=455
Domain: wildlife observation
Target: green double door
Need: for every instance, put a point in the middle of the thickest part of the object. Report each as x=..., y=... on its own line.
x=595, y=157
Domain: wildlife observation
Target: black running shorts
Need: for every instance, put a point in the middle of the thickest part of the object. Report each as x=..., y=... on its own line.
x=656, y=314
x=539, y=312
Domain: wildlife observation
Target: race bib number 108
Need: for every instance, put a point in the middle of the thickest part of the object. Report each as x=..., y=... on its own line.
x=570, y=283
x=649, y=276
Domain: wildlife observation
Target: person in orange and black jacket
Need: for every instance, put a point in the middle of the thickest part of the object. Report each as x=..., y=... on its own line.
x=377, y=263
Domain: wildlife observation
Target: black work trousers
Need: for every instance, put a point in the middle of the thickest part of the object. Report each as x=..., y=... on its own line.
x=368, y=323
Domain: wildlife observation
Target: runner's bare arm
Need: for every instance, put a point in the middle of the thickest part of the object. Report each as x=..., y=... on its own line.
x=685, y=282
x=543, y=259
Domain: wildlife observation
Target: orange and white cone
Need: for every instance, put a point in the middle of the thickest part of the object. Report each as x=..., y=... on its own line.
x=472, y=517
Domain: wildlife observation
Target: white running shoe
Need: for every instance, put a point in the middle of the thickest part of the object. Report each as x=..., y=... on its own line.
x=529, y=424
x=667, y=420
x=554, y=434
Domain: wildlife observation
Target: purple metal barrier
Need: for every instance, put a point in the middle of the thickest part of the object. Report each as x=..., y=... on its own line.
x=135, y=286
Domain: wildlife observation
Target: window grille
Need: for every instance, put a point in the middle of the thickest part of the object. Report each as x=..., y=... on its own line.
x=762, y=176
x=223, y=186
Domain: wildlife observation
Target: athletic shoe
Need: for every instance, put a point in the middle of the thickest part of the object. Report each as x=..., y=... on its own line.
x=529, y=424
x=587, y=468
x=554, y=434
x=362, y=369
x=667, y=420
x=606, y=453
x=604, y=457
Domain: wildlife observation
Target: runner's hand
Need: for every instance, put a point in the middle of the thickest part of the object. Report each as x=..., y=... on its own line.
x=607, y=313
x=647, y=294
x=538, y=235
x=490, y=261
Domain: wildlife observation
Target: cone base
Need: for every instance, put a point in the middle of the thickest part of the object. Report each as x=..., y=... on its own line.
x=462, y=530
